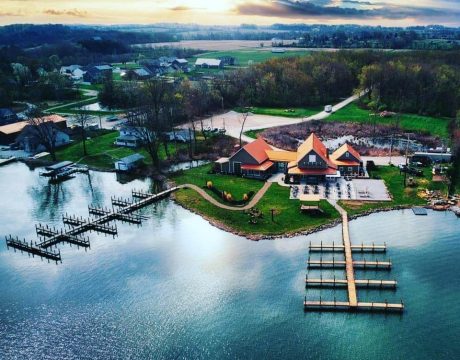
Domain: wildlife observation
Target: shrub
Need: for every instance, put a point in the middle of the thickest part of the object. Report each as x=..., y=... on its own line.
x=209, y=184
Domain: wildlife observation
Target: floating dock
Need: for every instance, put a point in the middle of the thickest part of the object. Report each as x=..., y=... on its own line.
x=419, y=211
x=122, y=210
x=350, y=283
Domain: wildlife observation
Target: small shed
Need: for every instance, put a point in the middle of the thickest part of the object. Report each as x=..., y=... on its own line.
x=129, y=163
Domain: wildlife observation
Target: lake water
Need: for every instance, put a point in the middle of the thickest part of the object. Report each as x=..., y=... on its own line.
x=178, y=288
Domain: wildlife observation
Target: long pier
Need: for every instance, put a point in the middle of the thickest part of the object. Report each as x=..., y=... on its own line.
x=349, y=265
x=122, y=210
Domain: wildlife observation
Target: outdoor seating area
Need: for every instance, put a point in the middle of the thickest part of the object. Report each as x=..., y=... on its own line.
x=343, y=189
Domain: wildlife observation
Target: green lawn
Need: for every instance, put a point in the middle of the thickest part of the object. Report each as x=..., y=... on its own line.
x=285, y=112
x=288, y=218
x=235, y=185
x=409, y=122
x=243, y=57
x=102, y=152
x=409, y=196
x=253, y=133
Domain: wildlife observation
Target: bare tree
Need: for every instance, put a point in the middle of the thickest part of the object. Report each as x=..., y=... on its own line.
x=45, y=130
x=151, y=120
x=82, y=119
x=244, y=117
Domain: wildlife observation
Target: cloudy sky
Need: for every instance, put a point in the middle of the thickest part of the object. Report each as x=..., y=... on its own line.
x=375, y=12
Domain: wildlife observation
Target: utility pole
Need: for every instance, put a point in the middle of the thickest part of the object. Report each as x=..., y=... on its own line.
x=391, y=147
x=407, y=149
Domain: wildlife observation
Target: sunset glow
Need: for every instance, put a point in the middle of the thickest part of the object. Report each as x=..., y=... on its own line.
x=387, y=12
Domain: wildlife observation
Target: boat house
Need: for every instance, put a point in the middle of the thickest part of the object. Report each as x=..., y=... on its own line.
x=129, y=163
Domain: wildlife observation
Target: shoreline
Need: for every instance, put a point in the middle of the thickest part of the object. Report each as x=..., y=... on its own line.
x=257, y=237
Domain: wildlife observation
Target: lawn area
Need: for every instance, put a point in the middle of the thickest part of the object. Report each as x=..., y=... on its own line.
x=408, y=196
x=253, y=133
x=102, y=152
x=256, y=56
x=285, y=112
x=288, y=218
x=235, y=185
x=409, y=122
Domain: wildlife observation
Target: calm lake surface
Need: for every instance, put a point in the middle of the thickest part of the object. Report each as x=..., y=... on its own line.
x=178, y=288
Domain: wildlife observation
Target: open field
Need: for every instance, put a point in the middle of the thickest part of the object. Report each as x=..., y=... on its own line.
x=245, y=57
x=216, y=45
x=288, y=218
x=409, y=122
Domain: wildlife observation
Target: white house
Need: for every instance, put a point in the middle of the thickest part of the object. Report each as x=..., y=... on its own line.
x=209, y=63
x=75, y=72
x=129, y=137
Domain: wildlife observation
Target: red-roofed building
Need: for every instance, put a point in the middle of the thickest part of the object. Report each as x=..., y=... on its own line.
x=311, y=163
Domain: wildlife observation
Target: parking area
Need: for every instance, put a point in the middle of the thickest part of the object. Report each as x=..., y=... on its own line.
x=342, y=189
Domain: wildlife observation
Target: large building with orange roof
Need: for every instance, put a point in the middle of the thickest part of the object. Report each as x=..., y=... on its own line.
x=311, y=162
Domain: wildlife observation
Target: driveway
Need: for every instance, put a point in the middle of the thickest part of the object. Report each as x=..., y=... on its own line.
x=232, y=121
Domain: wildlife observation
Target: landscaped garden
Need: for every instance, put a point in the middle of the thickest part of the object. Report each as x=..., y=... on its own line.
x=287, y=216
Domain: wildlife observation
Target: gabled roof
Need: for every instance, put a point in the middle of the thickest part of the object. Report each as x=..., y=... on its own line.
x=312, y=143
x=262, y=167
x=17, y=127
x=343, y=149
x=209, y=62
x=257, y=149
x=280, y=155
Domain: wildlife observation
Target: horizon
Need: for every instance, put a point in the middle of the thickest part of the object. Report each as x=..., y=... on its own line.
x=387, y=13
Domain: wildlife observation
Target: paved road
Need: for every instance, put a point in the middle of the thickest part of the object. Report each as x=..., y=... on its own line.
x=213, y=201
x=232, y=120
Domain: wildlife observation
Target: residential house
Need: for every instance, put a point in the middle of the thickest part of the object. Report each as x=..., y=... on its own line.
x=180, y=64
x=9, y=133
x=129, y=137
x=139, y=74
x=30, y=141
x=311, y=162
x=180, y=135
x=209, y=63
x=129, y=163
x=7, y=116
x=97, y=74
x=75, y=72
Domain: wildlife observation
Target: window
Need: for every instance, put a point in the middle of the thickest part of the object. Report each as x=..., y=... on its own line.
x=311, y=158
x=350, y=169
x=347, y=154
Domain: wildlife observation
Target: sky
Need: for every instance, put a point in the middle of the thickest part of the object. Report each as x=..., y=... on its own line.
x=232, y=12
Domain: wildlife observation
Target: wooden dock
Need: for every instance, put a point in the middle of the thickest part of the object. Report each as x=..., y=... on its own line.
x=349, y=265
x=122, y=210
x=7, y=161
x=364, y=283
x=340, y=248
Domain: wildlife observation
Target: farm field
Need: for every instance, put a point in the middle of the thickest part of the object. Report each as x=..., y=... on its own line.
x=243, y=57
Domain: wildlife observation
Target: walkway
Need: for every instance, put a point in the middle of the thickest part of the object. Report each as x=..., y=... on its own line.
x=255, y=199
x=352, y=298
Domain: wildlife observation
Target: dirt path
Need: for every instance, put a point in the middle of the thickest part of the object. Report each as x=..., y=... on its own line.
x=256, y=198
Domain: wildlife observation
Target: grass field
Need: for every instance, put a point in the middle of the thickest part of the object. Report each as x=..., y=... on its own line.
x=285, y=112
x=243, y=57
x=102, y=152
x=287, y=219
x=409, y=122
